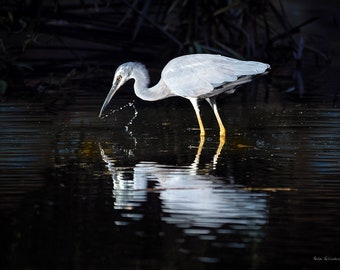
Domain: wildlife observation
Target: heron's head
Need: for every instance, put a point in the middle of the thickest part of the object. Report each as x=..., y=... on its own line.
x=122, y=75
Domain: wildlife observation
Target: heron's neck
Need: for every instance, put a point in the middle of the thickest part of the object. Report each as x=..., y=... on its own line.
x=141, y=86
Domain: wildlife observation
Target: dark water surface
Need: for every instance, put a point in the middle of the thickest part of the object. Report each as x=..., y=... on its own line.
x=136, y=190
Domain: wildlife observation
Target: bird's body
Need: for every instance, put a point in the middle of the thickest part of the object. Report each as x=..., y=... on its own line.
x=194, y=76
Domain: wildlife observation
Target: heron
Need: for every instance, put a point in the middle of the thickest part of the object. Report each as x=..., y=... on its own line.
x=193, y=76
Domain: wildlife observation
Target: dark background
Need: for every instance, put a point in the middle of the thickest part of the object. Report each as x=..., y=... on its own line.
x=47, y=46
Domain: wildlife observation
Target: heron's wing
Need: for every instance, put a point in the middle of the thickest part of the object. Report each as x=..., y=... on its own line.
x=197, y=75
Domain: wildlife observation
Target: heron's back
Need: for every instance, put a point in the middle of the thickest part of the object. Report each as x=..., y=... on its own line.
x=204, y=75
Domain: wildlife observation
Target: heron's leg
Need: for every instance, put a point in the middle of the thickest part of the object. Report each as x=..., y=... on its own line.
x=212, y=102
x=194, y=103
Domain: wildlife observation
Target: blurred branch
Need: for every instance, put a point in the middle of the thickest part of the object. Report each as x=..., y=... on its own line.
x=86, y=33
x=144, y=15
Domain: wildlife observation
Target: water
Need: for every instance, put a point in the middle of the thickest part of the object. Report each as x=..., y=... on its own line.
x=138, y=190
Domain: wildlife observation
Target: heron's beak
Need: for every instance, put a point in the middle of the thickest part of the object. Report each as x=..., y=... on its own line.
x=113, y=90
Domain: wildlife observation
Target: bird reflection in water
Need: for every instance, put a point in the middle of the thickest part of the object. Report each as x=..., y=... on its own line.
x=189, y=197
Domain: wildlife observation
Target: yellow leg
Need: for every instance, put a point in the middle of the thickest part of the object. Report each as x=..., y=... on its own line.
x=199, y=119
x=200, y=123
x=212, y=102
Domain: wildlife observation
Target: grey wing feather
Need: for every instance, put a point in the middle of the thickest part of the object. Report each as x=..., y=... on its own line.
x=197, y=75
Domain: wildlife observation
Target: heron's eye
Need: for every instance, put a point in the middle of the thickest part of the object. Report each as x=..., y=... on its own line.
x=119, y=77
